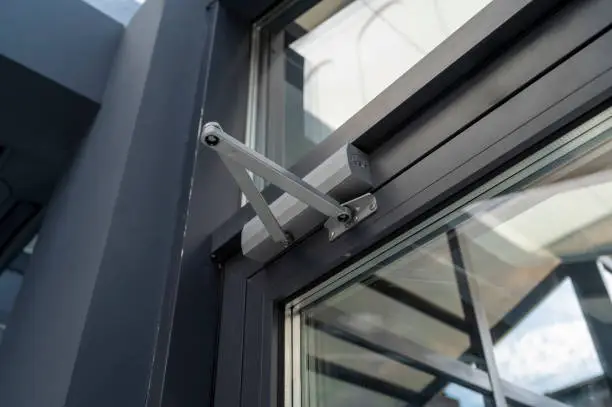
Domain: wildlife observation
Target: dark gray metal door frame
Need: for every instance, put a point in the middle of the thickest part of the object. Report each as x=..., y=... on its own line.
x=446, y=151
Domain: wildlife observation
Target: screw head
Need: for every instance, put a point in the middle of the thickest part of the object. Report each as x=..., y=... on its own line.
x=288, y=240
x=343, y=217
x=211, y=140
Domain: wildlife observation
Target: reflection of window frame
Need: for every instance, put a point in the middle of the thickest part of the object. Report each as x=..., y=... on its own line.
x=430, y=138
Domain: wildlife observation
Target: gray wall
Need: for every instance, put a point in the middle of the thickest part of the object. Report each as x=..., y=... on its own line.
x=67, y=41
x=93, y=315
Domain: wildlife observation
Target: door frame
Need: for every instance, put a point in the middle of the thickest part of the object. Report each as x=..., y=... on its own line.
x=431, y=162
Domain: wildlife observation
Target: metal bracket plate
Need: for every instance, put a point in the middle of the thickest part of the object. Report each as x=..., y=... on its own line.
x=361, y=207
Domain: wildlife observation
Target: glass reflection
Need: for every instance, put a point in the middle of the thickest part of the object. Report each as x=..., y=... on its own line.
x=536, y=254
x=356, y=53
x=378, y=334
x=340, y=54
x=534, y=258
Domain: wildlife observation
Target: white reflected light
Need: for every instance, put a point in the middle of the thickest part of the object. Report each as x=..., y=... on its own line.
x=551, y=348
x=362, y=49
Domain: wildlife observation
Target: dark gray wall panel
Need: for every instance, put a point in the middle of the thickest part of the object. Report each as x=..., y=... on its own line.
x=143, y=249
x=41, y=126
x=67, y=41
x=40, y=348
x=94, y=314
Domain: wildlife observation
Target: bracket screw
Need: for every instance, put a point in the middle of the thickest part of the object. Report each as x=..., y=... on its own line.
x=288, y=240
x=343, y=217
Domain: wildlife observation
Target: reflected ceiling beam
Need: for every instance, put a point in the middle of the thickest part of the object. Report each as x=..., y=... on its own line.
x=293, y=32
x=573, y=392
x=412, y=354
x=467, y=301
x=509, y=321
x=527, y=304
x=403, y=296
x=321, y=12
x=596, y=307
x=361, y=380
x=474, y=311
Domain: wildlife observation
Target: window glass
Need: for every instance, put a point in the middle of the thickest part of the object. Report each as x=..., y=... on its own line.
x=379, y=334
x=327, y=63
x=431, y=276
x=537, y=258
x=551, y=348
x=504, y=295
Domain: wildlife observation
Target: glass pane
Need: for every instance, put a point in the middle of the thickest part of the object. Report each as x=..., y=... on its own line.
x=552, y=338
x=431, y=275
x=538, y=257
x=332, y=60
x=505, y=293
x=378, y=334
x=337, y=372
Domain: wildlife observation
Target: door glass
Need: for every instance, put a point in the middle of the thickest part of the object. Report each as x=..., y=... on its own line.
x=503, y=298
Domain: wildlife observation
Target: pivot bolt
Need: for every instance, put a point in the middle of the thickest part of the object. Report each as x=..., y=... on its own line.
x=211, y=140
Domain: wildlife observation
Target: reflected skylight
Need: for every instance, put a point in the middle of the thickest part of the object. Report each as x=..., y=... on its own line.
x=551, y=349
x=120, y=10
x=353, y=50
x=531, y=267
